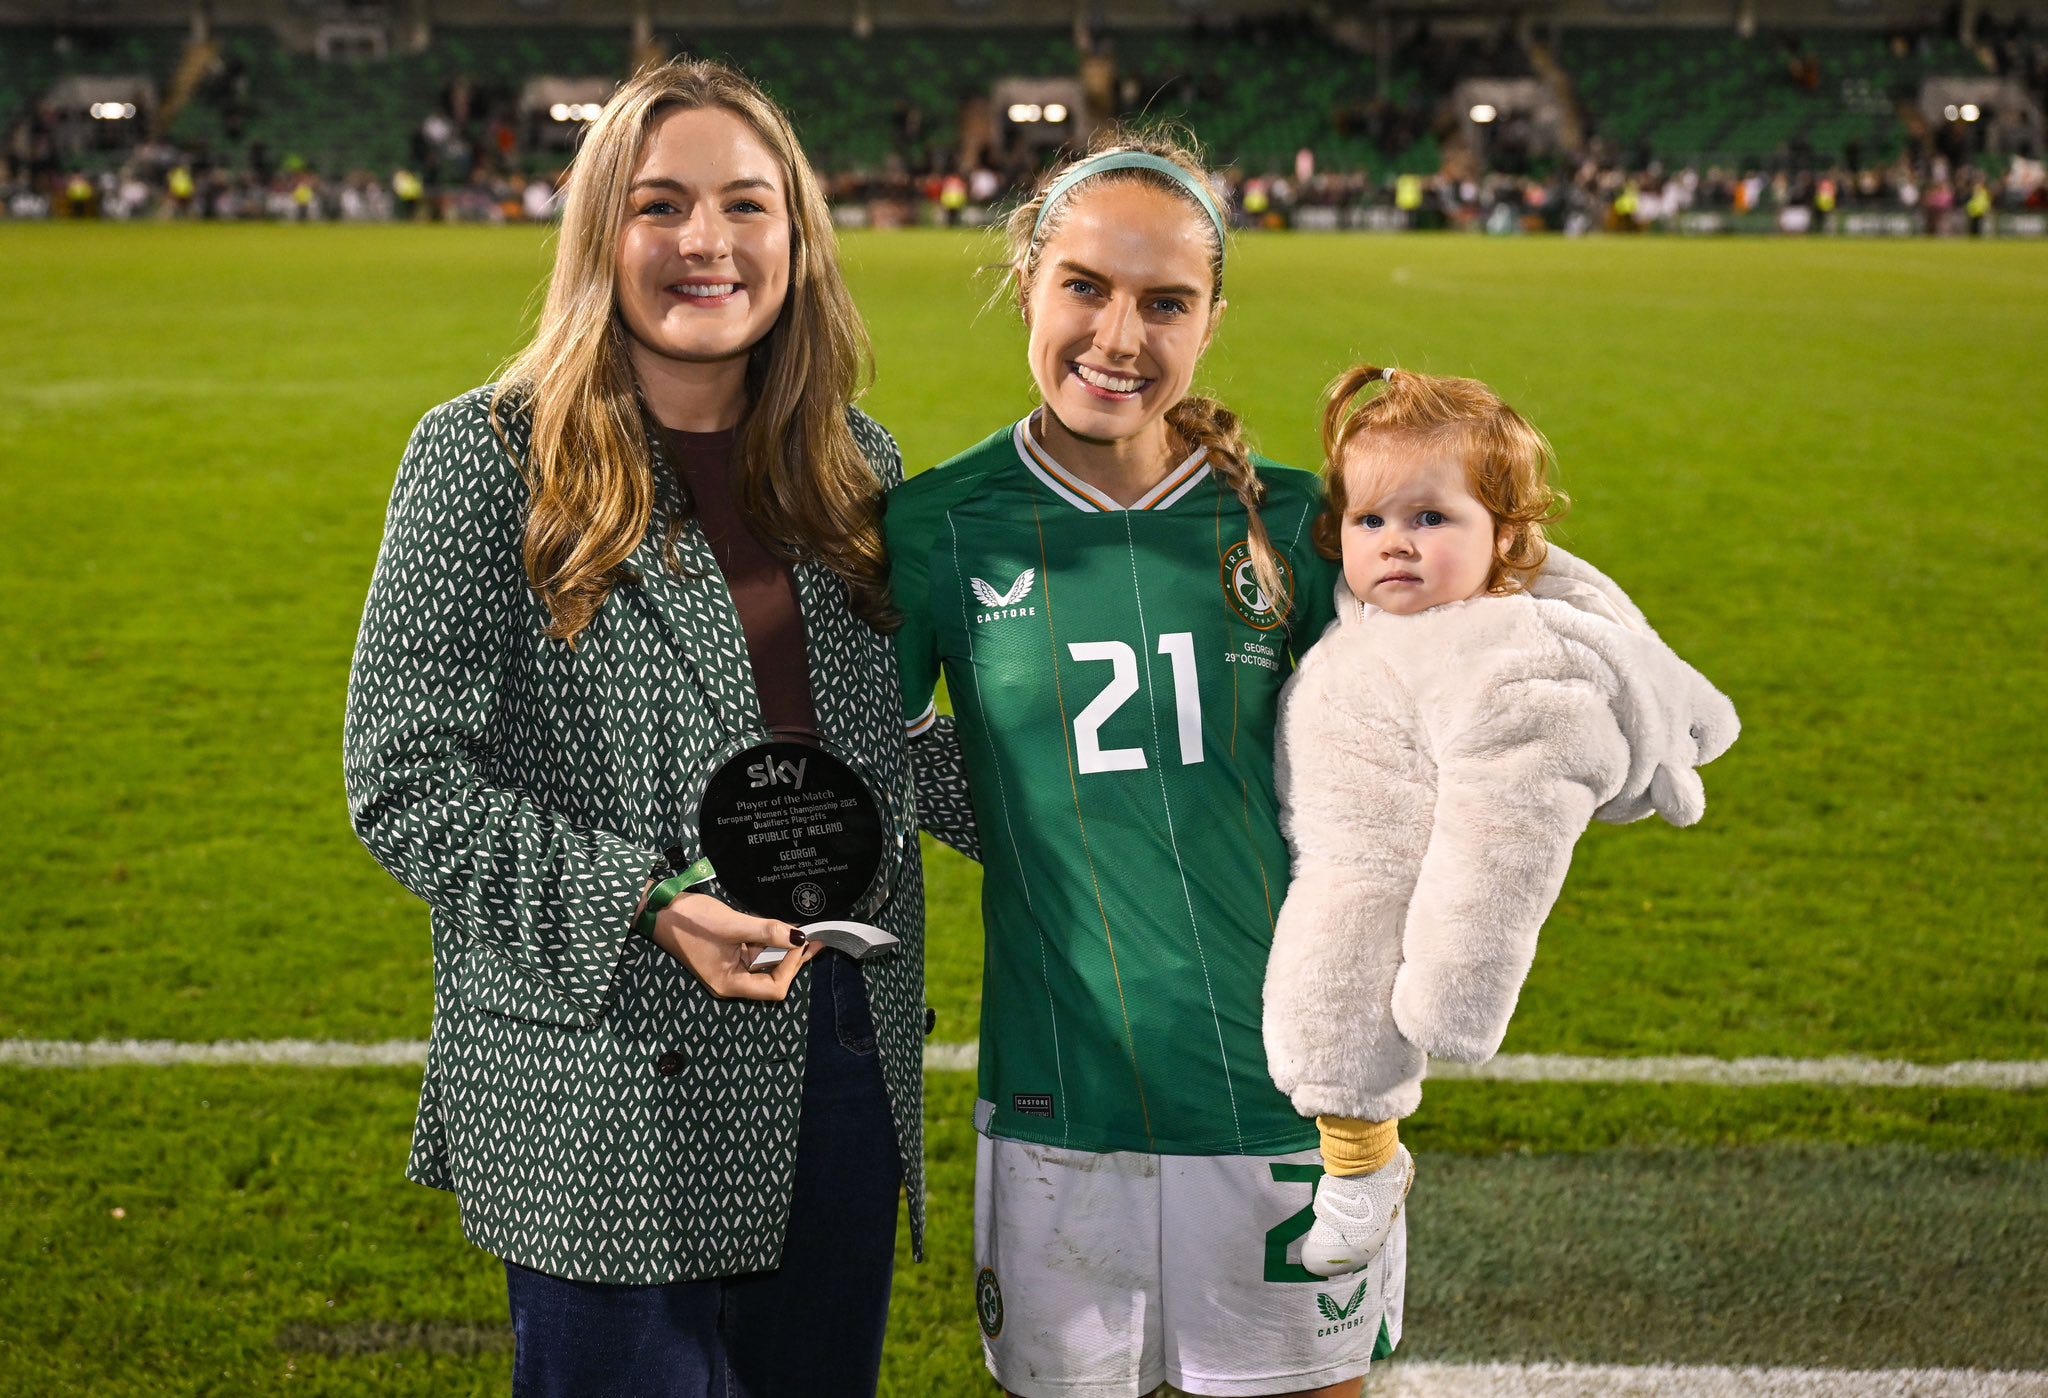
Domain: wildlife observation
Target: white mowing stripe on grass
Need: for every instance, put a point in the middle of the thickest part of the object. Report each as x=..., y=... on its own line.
x=2010, y=1075
x=1404, y=1379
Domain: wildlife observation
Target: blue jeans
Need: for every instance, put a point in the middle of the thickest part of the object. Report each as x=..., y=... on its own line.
x=813, y=1326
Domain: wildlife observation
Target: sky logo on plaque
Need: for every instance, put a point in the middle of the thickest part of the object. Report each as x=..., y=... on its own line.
x=769, y=772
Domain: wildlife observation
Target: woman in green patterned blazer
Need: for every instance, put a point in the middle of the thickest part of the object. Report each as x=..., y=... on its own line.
x=657, y=539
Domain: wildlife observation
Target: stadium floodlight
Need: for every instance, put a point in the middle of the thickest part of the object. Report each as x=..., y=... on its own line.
x=1484, y=112
x=112, y=111
x=1054, y=112
x=1024, y=113
x=1952, y=112
x=560, y=111
x=1970, y=112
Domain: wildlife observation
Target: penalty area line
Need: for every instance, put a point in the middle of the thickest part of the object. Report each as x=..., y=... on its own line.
x=2013, y=1075
x=1403, y=1379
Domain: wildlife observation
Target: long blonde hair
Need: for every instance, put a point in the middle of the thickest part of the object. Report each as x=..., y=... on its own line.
x=1197, y=420
x=802, y=479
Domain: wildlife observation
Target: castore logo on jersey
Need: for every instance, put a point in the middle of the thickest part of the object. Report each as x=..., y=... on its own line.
x=997, y=605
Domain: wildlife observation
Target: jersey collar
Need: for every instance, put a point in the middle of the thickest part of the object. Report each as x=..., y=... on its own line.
x=1085, y=497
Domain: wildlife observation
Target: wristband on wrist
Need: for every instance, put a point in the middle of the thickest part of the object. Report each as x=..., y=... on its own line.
x=667, y=891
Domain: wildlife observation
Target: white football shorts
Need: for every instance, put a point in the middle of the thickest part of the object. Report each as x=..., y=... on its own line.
x=1105, y=1275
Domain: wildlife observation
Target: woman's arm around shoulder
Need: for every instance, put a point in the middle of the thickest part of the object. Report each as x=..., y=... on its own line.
x=938, y=761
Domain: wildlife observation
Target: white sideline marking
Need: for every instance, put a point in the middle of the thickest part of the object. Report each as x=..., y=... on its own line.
x=1848, y=1071
x=169, y=1053
x=1405, y=1379
x=952, y=1058
x=2010, y=1075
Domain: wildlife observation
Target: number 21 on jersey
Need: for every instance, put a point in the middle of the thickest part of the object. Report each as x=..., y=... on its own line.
x=1179, y=648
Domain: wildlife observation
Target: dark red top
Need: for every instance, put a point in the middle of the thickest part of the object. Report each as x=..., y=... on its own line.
x=762, y=585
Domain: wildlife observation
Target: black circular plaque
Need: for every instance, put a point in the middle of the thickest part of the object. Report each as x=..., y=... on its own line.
x=793, y=832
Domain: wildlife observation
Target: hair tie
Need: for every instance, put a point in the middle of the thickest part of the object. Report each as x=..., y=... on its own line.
x=1131, y=160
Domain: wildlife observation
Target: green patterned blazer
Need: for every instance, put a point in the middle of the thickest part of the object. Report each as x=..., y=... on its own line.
x=598, y=1113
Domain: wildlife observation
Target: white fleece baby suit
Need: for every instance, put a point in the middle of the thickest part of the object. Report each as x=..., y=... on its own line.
x=1434, y=772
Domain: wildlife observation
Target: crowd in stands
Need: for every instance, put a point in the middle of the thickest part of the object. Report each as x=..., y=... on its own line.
x=473, y=158
x=1931, y=195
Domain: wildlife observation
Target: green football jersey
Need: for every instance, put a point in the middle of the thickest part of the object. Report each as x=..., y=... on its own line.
x=1114, y=674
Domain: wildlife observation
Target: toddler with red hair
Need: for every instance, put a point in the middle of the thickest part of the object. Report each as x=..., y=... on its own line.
x=1481, y=697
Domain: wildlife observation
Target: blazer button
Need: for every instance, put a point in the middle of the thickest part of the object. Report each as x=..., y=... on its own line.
x=669, y=1064
x=931, y=1020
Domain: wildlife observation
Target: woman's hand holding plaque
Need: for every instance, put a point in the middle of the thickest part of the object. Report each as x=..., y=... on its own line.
x=719, y=943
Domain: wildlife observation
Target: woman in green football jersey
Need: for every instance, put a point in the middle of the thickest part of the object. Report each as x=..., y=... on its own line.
x=1114, y=589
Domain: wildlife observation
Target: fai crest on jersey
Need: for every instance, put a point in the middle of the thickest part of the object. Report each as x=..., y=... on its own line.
x=1241, y=587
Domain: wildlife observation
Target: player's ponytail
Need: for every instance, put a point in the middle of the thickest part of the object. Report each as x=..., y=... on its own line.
x=1204, y=422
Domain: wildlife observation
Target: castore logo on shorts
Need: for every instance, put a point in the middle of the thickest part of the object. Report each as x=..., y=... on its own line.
x=1344, y=1317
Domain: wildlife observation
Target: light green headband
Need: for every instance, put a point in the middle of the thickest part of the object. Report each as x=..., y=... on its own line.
x=1131, y=160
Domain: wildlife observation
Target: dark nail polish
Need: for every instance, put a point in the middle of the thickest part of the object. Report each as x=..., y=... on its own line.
x=796, y=936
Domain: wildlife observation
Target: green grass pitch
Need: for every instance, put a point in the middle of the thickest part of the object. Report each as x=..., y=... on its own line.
x=1819, y=466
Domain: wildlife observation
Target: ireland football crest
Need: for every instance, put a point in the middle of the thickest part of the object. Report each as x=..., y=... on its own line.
x=988, y=1303
x=1241, y=587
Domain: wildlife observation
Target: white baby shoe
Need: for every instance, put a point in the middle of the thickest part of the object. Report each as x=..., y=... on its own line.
x=1354, y=1215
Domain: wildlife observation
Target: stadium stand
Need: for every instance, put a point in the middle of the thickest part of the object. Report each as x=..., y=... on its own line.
x=1659, y=121
x=1692, y=97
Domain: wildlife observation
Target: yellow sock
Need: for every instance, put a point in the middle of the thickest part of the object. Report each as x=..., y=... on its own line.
x=1354, y=1147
